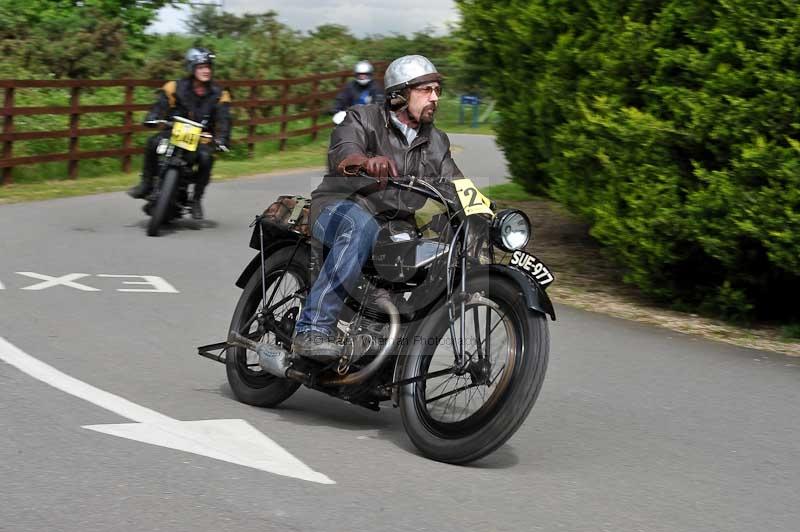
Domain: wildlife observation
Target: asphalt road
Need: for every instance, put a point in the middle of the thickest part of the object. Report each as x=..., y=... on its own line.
x=637, y=428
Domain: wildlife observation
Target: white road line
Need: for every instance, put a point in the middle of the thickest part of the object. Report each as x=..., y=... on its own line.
x=230, y=440
x=57, y=379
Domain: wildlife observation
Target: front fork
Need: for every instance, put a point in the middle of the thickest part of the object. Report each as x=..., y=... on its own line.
x=459, y=298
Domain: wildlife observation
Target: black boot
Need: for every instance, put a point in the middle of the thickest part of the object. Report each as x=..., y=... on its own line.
x=197, y=205
x=316, y=346
x=142, y=189
x=197, y=209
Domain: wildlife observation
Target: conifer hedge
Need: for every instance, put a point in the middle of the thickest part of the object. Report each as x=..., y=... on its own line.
x=673, y=126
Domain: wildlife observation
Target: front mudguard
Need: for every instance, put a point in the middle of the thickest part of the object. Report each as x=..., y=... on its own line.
x=536, y=298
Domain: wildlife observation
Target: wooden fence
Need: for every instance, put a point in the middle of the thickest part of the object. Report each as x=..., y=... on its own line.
x=303, y=93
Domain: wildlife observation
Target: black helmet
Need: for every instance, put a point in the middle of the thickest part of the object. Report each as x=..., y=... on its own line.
x=198, y=56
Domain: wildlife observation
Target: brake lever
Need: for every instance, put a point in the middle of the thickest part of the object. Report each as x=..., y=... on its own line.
x=156, y=123
x=400, y=180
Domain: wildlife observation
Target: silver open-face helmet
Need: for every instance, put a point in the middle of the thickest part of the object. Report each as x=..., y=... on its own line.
x=408, y=71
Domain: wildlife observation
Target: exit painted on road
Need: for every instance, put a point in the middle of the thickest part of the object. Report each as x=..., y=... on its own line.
x=79, y=281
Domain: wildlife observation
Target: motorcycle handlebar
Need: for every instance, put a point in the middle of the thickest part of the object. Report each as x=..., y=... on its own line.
x=400, y=180
x=155, y=123
x=169, y=123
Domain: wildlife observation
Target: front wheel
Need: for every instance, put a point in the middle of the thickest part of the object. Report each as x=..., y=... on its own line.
x=287, y=285
x=163, y=207
x=465, y=414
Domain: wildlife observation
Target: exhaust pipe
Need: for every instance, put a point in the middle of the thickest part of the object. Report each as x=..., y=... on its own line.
x=272, y=358
x=385, y=304
x=275, y=359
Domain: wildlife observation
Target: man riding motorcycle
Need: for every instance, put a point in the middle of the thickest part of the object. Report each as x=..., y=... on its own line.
x=362, y=89
x=382, y=141
x=197, y=98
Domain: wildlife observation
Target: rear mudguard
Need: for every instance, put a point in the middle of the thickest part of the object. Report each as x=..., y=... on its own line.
x=254, y=264
x=272, y=237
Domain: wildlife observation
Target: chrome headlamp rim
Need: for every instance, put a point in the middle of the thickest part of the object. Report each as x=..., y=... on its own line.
x=500, y=220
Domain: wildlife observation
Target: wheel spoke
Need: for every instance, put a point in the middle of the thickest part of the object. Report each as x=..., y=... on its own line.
x=442, y=383
x=452, y=392
x=452, y=398
x=244, y=330
x=491, y=381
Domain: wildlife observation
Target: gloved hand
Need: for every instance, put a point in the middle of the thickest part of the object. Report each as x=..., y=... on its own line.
x=379, y=167
x=221, y=146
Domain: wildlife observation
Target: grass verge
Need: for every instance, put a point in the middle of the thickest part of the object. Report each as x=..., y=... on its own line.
x=309, y=154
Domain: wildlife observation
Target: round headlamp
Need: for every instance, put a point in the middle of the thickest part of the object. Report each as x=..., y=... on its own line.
x=511, y=230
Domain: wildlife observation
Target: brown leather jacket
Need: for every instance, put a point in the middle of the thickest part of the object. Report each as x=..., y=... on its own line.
x=368, y=131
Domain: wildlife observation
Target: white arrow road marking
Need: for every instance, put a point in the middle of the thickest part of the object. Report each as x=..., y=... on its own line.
x=230, y=440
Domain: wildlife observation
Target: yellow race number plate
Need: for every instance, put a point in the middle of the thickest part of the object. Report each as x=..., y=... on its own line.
x=185, y=136
x=472, y=201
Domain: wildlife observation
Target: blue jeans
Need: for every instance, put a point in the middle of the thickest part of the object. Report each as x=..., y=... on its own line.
x=349, y=231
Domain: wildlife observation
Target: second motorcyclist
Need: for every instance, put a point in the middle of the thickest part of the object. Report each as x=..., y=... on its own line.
x=197, y=98
x=362, y=89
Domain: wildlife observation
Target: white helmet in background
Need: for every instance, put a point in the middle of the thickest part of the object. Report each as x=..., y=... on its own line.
x=363, y=72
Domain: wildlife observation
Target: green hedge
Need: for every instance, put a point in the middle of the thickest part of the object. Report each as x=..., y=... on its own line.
x=671, y=125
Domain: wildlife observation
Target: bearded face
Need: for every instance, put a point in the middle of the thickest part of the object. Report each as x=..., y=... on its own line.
x=423, y=100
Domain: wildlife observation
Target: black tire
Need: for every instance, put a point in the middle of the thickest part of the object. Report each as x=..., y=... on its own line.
x=495, y=421
x=251, y=385
x=162, y=210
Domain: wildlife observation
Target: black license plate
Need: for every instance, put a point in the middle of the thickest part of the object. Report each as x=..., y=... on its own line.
x=533, y=267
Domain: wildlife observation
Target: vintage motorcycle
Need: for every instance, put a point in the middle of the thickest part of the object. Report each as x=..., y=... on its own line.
x=170, y=196
x=450, y=325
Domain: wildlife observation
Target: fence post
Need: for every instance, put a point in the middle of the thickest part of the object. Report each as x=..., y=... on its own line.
x=284, y=113
x=315, y=103
x=251, y=128
x=8, y=127
x=74, y=117
x=127, y=139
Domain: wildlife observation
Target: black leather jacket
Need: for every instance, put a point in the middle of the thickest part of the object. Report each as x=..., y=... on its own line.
x=178, y=98
x=368, y=130
x=352, y=91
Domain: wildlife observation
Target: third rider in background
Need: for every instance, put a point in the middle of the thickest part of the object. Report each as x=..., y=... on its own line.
x=362, y=89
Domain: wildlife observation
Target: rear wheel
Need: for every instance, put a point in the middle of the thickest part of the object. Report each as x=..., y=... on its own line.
x=465, y=414
x=162, y=210
x=248, y=381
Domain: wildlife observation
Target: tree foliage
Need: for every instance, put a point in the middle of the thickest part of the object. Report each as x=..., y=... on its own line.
x=73, y=38
x=672, y=125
